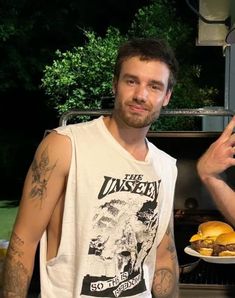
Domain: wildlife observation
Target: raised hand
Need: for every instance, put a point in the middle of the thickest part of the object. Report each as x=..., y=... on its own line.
x=220, y=155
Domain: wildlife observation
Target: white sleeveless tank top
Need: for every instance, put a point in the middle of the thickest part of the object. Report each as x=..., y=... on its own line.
x=116, y=212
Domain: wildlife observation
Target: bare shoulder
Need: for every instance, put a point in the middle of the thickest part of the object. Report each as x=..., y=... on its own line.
x=55, y=148
x=57, y=140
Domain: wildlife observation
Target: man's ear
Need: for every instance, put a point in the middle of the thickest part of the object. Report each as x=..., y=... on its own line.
x=167, y=98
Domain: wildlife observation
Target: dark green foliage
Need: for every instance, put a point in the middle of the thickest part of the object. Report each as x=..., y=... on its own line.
x=80, y=78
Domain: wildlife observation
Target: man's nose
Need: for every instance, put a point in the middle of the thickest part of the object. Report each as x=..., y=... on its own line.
x=141, y=93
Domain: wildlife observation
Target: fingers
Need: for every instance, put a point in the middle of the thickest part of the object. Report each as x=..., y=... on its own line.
x=228, y=131
x=231, y=140
x=231, y=151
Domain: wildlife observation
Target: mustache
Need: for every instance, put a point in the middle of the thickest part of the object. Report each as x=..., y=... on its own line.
x=139, y=103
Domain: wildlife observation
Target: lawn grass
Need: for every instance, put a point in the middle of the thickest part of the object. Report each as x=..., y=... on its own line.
x=8, y=210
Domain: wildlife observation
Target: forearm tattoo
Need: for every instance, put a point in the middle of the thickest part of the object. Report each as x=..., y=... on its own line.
x=165, y=282
x=41, y=172
x=171, y=245
x=16, y=277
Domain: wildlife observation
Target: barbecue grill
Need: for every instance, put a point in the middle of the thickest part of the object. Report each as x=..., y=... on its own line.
x=202, y=279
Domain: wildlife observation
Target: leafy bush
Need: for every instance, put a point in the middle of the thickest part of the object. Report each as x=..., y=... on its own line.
x=82, y=77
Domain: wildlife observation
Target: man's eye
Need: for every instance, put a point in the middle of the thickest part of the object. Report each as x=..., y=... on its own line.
x=131, y=82
x=155, y=87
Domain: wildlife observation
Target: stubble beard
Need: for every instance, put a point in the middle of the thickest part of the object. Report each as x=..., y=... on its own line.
x=135, y=120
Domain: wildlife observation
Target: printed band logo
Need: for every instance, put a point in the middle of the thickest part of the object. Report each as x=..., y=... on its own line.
x=131, y=183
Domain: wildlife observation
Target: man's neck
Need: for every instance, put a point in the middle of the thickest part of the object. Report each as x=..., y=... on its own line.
x=131, y=139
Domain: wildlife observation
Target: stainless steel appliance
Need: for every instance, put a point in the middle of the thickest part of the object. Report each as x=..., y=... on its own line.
x=193, y=205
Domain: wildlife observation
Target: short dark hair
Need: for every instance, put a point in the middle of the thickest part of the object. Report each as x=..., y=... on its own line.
x=148, y=49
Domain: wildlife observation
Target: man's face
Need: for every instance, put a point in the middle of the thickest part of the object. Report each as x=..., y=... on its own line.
x=141, y=91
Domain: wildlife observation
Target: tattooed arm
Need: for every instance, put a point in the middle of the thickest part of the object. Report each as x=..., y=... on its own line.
x=41, y=202
x=165, y=282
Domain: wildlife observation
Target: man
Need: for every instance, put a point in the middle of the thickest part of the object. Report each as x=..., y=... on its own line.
x=218, y=158
x=99, y=196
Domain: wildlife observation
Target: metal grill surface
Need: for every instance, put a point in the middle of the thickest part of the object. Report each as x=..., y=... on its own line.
x=210, y=273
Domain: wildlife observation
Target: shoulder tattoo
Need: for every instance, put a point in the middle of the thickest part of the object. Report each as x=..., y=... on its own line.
x=41, y=172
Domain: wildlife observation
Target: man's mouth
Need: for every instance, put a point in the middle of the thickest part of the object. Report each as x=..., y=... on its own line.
x=137, y=108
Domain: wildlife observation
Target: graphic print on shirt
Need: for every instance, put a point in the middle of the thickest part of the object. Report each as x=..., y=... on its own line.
x=123, y=231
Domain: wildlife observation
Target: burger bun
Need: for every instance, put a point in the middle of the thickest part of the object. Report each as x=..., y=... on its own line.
x=205, y=251
x=213, y=229
x=227, y=253
x=226, y=242
x=226, y=238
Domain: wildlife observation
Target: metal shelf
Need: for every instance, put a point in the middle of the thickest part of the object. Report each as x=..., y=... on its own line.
x=212, y=111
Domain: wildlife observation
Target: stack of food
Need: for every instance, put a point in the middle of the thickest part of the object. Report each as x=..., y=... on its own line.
x=214, y=238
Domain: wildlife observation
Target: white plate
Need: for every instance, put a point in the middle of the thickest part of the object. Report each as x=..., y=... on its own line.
x=222, y=260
